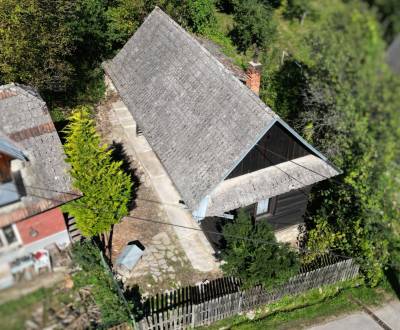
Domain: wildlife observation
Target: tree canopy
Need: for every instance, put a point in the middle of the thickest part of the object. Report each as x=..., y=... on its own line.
x=105, y=187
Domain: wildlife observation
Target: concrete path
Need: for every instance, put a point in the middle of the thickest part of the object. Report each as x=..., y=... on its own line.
x=389, y=314
x=194, y=243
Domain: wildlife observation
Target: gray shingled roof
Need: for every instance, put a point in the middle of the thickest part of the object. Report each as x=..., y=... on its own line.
x=216, y=51
x=268, y=182
x=393, y=55
x=25, y=120
x=198, y=118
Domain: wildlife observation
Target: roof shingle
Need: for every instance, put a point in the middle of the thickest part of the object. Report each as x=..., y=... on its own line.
x=198, y=118
x=25, y=120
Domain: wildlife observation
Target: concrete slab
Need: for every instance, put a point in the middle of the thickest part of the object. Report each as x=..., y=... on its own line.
x=390, y=314
x=150, y=161
x=358, y=321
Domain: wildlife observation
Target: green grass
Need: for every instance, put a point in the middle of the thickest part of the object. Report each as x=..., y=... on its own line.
x=309, y=308
x=13, y=314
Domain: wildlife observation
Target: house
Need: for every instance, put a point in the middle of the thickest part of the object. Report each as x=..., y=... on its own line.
x=393, y=55
x=33, y=176
x=222, y=147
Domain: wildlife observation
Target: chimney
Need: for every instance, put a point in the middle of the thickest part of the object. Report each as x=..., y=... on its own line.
x=254, y=76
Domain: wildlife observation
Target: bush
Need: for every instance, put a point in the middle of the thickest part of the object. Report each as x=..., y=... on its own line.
x=258, y=259
x=104, y=290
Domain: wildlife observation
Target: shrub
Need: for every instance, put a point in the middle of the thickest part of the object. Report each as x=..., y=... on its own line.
x=258, y=259
x=104, y=290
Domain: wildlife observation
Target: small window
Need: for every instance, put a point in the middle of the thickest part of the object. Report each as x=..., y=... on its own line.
x=266, y=207
x=9, y=234
x=262, y=207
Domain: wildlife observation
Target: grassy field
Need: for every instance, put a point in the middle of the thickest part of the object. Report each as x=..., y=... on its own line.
x=312, y=307
x=13, y=314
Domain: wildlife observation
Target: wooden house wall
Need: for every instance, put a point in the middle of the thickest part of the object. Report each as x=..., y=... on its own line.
x=275, y=147
x=289, y=209
x=5, y=168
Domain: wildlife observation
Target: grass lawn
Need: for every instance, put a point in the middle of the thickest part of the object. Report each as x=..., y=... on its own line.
x=310, y=308
x=13, y=314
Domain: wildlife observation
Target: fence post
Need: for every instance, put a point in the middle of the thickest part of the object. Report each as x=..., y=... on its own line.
x=239, y=309
x=194, y=312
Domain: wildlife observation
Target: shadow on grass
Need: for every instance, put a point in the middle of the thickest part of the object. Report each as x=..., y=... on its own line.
x=394, y=280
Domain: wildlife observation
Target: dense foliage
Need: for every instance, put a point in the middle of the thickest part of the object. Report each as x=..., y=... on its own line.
x=259, y=259
x=254, y=26
x=28, y=30
x=94, y=274
x=105, y=187
x=324, y=72
x=334, y=86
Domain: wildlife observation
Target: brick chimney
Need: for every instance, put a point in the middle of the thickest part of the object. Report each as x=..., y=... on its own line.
x=254, y=76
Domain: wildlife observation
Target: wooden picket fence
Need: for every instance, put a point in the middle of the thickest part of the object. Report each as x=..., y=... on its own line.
x=221, y=298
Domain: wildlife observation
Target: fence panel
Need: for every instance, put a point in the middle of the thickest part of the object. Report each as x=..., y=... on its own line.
x=221, y=298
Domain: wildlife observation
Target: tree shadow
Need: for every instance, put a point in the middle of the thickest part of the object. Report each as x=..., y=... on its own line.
x=394, y=280
x=290, y=84
x=132, y=295
x=119, y=154
x=213, y=230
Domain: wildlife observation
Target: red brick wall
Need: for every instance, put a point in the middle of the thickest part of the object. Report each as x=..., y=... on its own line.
x=46, y=224
x=254, y=79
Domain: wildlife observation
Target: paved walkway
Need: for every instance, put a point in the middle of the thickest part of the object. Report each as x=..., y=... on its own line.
x=194, y=243
x=389, y=314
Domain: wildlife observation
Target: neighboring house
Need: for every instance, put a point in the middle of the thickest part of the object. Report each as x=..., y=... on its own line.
x=221, y=146
x=33, y=176
x=393, y=55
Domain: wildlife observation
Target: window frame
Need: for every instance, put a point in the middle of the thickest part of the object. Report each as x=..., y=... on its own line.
x=272, y=201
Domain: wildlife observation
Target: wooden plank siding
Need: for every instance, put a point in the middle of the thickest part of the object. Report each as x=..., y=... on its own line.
x=275, y=147
x=289, y=209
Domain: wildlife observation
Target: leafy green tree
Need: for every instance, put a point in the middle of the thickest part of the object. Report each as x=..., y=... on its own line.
x=105, y=187
x=258, y=259
x=36, y=43
x=123, y=18
x=346, y=102
x=254, y=25
x=201, y=14
x=389, y=16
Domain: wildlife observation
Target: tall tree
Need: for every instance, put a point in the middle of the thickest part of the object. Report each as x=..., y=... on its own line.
x=105, y=187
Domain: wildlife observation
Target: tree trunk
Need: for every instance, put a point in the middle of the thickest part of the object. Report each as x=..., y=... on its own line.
x=109, y=244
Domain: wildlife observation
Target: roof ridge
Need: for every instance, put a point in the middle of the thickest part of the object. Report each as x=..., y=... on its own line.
x=158, y=10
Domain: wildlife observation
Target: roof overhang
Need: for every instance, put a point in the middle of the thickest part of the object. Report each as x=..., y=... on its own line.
x=268, y=182
x=9, y=149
